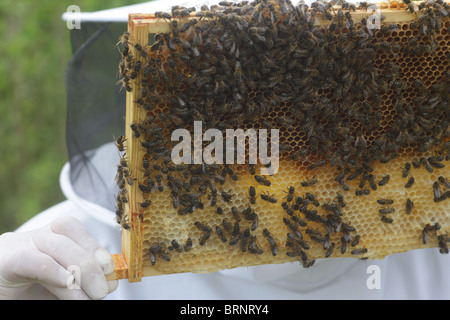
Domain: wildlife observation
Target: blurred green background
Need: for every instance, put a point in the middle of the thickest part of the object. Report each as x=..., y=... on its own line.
x=34, y=51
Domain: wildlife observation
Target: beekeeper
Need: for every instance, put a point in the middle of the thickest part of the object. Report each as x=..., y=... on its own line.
x=65, y=251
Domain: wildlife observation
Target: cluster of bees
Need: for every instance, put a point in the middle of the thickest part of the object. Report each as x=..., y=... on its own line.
x=212, y=61
x=123, y=177
x=443, y=239
x=301, y=211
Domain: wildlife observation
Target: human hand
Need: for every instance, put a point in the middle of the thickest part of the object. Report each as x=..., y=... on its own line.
x=58, y=261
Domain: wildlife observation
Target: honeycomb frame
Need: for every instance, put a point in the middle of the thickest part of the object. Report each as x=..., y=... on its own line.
x=158, y=224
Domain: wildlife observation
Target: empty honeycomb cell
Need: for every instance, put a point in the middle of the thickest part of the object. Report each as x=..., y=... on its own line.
x=351, y=111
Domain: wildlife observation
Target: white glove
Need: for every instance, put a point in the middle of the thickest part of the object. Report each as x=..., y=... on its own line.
x=60, y=260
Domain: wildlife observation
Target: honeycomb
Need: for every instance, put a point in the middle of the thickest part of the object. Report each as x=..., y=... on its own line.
x=363, y=128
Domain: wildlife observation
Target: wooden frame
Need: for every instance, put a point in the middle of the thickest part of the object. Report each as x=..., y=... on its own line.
x=128, y=264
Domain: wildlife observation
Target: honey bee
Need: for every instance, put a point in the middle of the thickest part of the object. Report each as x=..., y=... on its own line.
x=436, y=191
x=329, y=247
x=214, y=198
x=146, y=203
x=416, y=164
x=387, y=210
x=119, y=142
x=409, y=6
x=253, y=245
x=235, y=234
x=309, y=182
x=135, y=70
x=443, y=239
x=287, y=208
x=262, y=180
x=384, y=180
x=425, y=234
x=409, y=206
x=343, y=245
x=206, y=232
x=361, y=192
x=175, y=199
x=124, y=38
x=188, y=245
x=158, y=178
x=444, y=182
x=245, y=237
x=386, y=219
x=163, y=15
x=409, y=183
x=317, y=164
x=135, y=129
x=385, y=201
x=186, y=210
x=359, y=251
x=119, y=211
x=372, y=183
x=290, y=194
x=293, y=227
x=221, y=234
x=158, y=250
x=228, y=227
x=299, y=221
x=324, y=10
x=428, y=228
x=255, y=218
x=127, y=176
x=226, y=196
x=269, y=198
x=125, y=224
x=311, y=198
x=406, y=170
x=435, y=162
x=294, y=240
x=355, y=240
x=252, y=193
x=175, y=246
x=182, y=12
x=235, y=213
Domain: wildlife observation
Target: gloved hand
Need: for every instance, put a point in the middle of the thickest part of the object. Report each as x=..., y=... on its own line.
x=60, y=260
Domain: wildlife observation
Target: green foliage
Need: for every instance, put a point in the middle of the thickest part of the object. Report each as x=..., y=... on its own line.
x=35, y=50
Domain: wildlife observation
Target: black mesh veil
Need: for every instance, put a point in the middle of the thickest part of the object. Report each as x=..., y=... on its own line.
x=95, y=110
